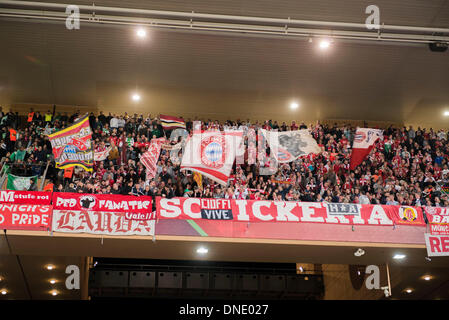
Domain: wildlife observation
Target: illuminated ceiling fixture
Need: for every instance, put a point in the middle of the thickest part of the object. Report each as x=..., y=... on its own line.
x=360, y=252
x=52, y=281
x=54, y=293
x=427, y=277
x=50, y=267
x=324, y=44
x=294, y=105
x=409, y=290
x=202, y=250
x=141, y=33
x=4, y=292
x=399, y=256
x=446, y=113
x=135, y=97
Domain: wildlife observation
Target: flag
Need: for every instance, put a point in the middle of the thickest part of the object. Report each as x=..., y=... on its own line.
x=363, y=143
x=169, y=122
x=19, y=183
x=149, y=158
x=212, y=154
x=124, y=146
x=198, y=179
x=73, y=146
x=288, y=146
x=102, y=155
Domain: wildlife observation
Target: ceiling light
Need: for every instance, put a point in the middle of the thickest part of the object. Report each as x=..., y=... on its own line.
x=141, y=33
x=202, y=250
x=360, y=252
x=427, y=277
x=409, y=290
x=54, y=293
x=399, y=256
x=294, y=105
x=446, y=113
x=325, y=44
x=136, y=97
x=50, y=267
x=4, y=292
x=52, y=281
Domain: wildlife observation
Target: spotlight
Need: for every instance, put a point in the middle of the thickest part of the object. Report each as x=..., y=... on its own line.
x=409, y=290
x=294, y=105
x=427, y=277
x=4, y=292
x=202, y=250
x=52, y=281
x=54, y=293
x=399, y=256
x=135, y=97
x=141, y=33
x=324, y=44
x=360, y=252
x=50, y=267
x=446, y=113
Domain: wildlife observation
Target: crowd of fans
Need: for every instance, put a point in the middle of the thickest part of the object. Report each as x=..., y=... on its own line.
x=407, y=167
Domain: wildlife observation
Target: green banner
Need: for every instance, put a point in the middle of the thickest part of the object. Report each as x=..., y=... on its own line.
x=20, y=183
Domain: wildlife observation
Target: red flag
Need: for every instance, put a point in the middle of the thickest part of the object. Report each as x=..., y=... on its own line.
x=363, y=144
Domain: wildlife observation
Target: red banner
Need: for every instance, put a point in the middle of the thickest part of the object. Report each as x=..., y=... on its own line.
x=28, y=197
x=102, y=202
x=286, y=211
x=25, y=217
x=438, y=219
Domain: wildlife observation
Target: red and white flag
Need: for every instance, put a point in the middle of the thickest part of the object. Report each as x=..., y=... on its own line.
x=170, y=122
x=364, y=140
x=212, y=153
x=149, y=158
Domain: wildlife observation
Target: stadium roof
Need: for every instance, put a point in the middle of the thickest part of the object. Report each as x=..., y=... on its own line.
x=226, y=75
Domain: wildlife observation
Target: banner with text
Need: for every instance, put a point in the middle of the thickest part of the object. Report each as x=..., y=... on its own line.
x=25, y=217
x=101, y=222
x=103, y=202
x=286, y=211
x=437, y=246
x=28, y=197
x=438, y=219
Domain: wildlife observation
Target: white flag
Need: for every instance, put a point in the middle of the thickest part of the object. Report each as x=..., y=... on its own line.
x=288, y=146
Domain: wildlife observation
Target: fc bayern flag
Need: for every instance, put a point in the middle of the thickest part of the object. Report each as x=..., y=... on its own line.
x=364, y=140
x=212, y=153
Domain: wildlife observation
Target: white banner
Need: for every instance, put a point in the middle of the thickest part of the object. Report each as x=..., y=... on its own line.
x=102, y=155
x=100, y=222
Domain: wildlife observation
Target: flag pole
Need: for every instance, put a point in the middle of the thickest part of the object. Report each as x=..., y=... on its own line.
x=43, y=176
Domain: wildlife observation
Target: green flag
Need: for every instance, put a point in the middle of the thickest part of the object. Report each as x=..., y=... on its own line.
x=19, y=183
